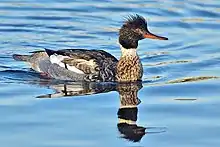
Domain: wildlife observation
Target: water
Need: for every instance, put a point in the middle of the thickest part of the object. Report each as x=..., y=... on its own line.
x=179, y=96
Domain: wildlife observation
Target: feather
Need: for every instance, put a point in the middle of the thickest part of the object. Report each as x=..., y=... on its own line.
x=135, y=20
x=58, y=59
x=95, y=65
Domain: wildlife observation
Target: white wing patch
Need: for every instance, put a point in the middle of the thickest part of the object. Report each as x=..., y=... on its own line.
x=58, y=60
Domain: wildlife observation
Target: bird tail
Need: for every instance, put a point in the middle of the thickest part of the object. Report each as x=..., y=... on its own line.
x=18, y=57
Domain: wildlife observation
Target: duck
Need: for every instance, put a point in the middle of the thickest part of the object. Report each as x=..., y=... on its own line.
x=95, y=65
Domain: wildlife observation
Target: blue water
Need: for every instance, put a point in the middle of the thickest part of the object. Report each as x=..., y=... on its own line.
x=180, y=90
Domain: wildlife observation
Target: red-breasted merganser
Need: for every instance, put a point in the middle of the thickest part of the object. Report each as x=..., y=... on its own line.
x=96, y=65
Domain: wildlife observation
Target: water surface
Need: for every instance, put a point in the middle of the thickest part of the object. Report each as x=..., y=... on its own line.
x=178, y=104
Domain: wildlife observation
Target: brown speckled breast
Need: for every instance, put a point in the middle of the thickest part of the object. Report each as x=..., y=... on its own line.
x=129, y=69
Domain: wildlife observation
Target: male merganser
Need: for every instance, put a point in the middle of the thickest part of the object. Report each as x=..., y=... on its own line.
x=96, y=65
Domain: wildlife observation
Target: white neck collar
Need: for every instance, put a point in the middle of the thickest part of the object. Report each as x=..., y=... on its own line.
x=128, y=52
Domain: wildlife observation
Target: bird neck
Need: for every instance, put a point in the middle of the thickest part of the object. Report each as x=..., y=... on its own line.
x=132, y=52
x=129, y=67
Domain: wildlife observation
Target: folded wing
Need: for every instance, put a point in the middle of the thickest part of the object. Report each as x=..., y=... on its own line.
x=95, y=65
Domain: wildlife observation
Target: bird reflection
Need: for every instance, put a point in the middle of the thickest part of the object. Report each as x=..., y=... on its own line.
x=129, y=101
x=127, y=113
x=66, y=89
